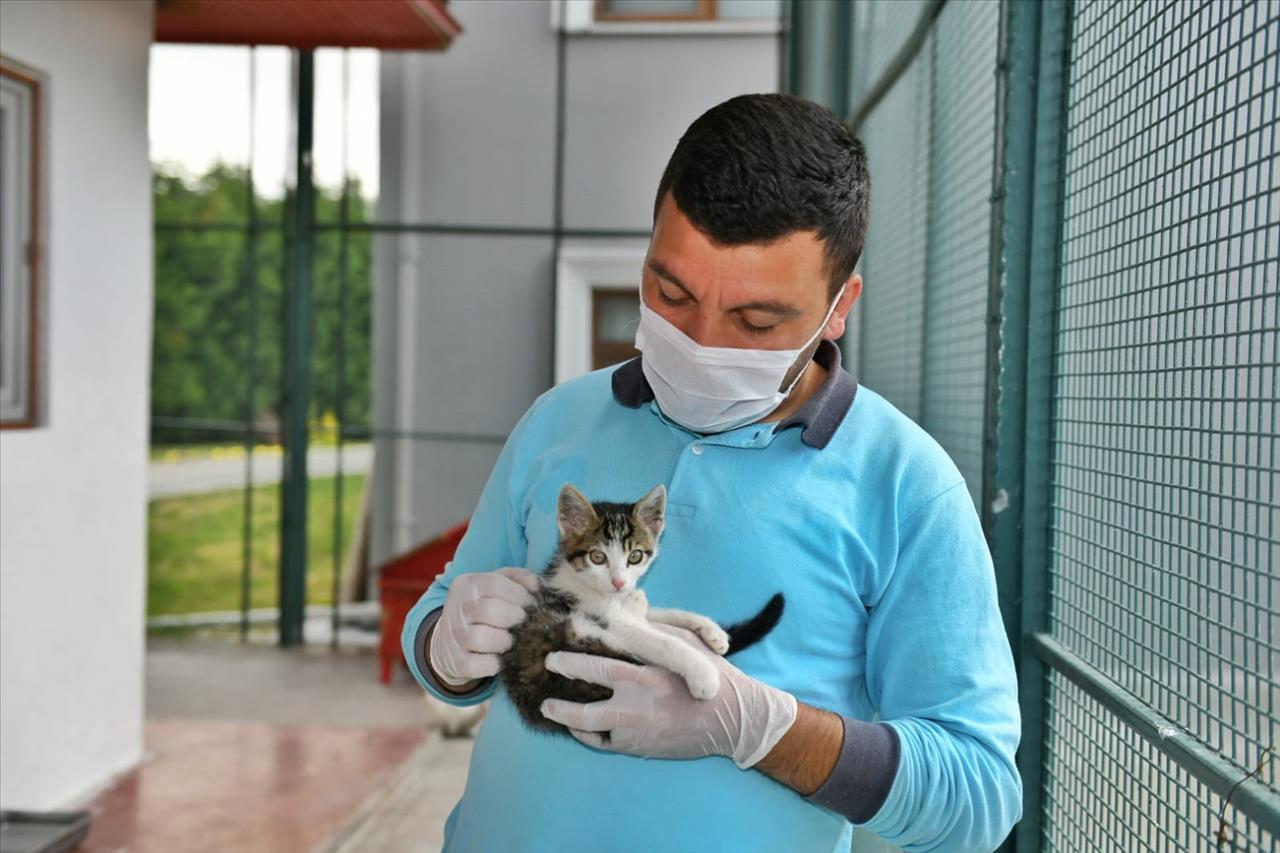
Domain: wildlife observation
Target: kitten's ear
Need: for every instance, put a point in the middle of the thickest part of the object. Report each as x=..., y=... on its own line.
x=574, y=513
x=651, y=509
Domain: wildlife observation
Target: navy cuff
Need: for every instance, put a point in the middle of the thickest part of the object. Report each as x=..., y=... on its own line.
x=424, y=667
x=864, y=772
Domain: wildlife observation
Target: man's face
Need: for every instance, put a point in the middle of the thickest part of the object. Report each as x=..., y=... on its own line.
x=751, y=296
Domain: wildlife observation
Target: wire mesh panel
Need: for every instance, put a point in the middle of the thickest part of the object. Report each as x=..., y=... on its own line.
x=1106, y=788
x=930, y=146
x=1165, y=522
x=897, y=141
x=962, y=128
x=881, y=28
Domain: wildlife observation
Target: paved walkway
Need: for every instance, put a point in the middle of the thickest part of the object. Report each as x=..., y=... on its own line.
x=196, y=476
x=407, y=814
x=233, y=785
x=260, y=749
x=224, y=680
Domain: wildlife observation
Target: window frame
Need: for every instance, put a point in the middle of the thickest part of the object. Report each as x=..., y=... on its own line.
x=608, y=353
x=583, y=266
x=706, y=11
x=29, y=397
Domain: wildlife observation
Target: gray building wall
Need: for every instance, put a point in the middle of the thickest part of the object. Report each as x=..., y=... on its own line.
x=464, y=330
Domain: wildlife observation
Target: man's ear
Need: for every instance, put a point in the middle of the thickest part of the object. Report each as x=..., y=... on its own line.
x=574, y=513
x=651, y=510
x=836, y=325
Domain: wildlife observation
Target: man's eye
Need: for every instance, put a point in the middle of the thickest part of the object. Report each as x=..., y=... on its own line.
x=635, y=557
x=752, y=329
x=597, y=557
x=662, y=294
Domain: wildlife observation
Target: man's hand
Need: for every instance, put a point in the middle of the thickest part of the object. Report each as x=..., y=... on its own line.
x=651, y=713
x=475, y=624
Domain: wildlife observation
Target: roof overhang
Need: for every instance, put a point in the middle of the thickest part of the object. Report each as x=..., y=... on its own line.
x=386, y=24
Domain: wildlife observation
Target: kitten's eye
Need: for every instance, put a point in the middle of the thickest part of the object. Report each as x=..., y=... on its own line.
x=635, y=557
x=598, y=557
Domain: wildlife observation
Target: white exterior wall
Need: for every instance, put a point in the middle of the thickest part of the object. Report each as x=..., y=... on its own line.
x=464, y=327
x=73, y=505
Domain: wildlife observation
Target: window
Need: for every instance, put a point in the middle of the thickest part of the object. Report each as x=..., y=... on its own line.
x=19, y=242
x=614, y=315
x=597, y=304
x=668, y=17
x=655, y=10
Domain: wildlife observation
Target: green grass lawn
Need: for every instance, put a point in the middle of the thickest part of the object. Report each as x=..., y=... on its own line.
x=196, y=547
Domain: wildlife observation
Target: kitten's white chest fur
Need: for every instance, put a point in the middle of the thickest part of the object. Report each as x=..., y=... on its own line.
x=625, y=623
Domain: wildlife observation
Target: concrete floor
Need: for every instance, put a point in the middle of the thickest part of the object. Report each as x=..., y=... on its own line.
x=408, y=813
x=257, y=749
x=211, y=679
x=230, y=786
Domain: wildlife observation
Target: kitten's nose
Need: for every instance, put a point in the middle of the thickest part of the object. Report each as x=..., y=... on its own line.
x=619, y=583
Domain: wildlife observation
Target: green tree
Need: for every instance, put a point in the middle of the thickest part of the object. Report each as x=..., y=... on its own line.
x=219, y=305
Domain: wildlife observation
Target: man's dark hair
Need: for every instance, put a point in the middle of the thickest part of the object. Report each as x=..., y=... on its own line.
x=759, y=167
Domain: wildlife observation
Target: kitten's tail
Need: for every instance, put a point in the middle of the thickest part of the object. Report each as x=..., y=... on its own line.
x=753, y=630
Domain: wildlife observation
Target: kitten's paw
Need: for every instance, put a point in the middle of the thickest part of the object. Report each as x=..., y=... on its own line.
x=715, y=637
x=704, y=683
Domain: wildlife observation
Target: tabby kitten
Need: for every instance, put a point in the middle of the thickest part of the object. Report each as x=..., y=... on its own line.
x=589, y=603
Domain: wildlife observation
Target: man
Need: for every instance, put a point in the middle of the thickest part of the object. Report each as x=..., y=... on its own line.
x=782, y=476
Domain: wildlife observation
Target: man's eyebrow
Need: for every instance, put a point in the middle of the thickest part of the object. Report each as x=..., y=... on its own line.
x=769, y=306
x=661, y=271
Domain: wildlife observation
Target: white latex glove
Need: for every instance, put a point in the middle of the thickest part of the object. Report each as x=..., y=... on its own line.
x=651, y=713
x=475, y=625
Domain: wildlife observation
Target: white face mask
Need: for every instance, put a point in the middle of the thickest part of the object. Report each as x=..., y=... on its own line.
x=716, y=389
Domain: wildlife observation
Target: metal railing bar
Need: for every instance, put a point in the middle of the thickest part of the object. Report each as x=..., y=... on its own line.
x=228, y=427
x=423, y=228
x=1251, y=797
x=488, y=230
x=425, y=435
x=213, y=226
x=214, y=425
x=897, y=66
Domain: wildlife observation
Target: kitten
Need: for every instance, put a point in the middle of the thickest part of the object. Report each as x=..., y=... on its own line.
x=588, y=602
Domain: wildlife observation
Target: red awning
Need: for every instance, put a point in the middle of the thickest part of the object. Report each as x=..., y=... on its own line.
x=388, y=24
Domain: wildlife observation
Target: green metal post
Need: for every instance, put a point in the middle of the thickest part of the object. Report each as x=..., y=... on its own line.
x=251, y=361
x=1025, y=262
x=297, y=369
x=792, y=41
x=842, y=37
x=344, y=234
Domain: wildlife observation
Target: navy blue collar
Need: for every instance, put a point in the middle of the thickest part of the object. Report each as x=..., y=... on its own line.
x=821, y=415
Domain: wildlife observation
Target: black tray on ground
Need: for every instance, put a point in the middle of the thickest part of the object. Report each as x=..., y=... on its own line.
x=42, y=832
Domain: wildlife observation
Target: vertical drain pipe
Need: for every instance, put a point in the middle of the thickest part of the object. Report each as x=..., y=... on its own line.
x=408, y=262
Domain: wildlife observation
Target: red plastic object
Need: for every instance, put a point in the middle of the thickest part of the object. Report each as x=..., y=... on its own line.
x=402, y=582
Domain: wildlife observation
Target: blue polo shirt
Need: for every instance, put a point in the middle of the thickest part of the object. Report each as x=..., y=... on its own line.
x=864, y=523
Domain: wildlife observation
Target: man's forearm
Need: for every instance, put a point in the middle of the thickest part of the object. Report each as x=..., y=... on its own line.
x=807, y=753
x=842, y=763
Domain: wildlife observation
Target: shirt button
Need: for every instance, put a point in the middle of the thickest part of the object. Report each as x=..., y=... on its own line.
x=697, y=449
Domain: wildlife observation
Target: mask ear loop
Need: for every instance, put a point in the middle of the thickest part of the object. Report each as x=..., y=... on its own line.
x=802, y=360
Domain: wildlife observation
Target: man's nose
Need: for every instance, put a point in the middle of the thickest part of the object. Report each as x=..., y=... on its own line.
x=702, y=328
x=619, y=583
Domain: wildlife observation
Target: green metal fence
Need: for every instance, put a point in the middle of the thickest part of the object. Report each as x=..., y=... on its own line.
x=263, y=338
x=262, y=330
x=1071, y=282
